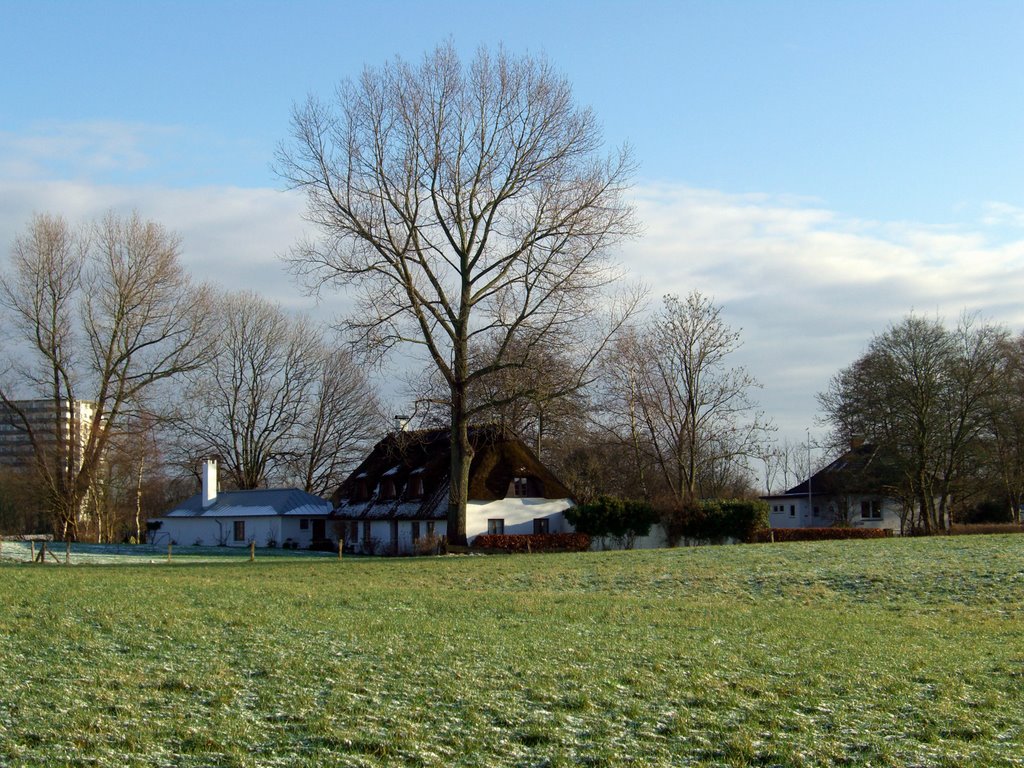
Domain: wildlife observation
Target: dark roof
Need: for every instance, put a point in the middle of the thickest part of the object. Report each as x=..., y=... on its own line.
x=862, y=469
x=259, y=501
x=420, y=460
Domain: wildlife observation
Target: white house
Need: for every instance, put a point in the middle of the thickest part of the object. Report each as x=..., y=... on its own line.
x=851, y=491
x=284, y=517
x=396, y=501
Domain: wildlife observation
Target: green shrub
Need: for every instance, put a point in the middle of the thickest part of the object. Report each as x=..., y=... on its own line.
x=612, y=516
x=720, y=519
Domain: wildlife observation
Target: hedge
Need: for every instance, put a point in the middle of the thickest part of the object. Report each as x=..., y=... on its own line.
x=975, y=528
x=718, y=520
x=819, y=534
x=612, y=516
x=535, y=542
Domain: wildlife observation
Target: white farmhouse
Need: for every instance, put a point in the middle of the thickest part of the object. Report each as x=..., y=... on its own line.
x=852, y=490
x=286, y=517
x=396, y=501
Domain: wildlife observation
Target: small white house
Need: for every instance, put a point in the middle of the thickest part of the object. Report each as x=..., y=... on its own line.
x=396, y=501
x=282, y=517
x=849, y=491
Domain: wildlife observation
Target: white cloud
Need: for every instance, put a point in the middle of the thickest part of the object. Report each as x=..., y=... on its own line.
x=231, y=236
x=1003, y=214
x=79, y=149
x=810, y=287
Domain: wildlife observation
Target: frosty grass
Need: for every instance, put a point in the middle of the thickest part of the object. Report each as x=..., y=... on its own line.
x=871, y=653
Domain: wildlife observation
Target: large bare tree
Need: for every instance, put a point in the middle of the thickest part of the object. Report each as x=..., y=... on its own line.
x=542, y=404
x=922, y=393
x=274, y=402
x=102, y=314
x=469, y=206
x=1004, y=450
x=679, y=406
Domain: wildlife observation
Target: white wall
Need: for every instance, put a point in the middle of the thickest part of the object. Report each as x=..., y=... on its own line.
x=383, y=535
x=518, y=515
x=205, y=531
x=803, y=516
x=655, y=539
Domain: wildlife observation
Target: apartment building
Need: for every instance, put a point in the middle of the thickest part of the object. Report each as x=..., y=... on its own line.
x=67, y=421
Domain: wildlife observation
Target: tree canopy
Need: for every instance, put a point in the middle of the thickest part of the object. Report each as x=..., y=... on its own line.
x=469, y=207
x=925, y=396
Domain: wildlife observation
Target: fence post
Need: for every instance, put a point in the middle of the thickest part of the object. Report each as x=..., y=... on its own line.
x=67, y=552
x=42, y=552
x=341, y=546
x=168, y=551
x=252, y=551
x=32, y=550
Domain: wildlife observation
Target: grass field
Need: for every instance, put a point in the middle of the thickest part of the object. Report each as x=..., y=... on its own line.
x=874, y=653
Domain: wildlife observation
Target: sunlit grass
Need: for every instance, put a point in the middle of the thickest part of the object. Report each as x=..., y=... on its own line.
x=892, y=652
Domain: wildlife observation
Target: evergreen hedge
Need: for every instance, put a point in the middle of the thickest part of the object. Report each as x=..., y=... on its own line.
x=719, y=519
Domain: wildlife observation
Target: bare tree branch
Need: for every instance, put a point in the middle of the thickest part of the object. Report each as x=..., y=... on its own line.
x=459, y=202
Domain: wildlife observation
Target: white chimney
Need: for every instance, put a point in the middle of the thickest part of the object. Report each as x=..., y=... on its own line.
x=401, y=423
x=209, y=482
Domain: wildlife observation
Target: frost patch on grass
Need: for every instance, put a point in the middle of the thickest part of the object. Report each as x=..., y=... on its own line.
x=144, y=554
x=826, y=654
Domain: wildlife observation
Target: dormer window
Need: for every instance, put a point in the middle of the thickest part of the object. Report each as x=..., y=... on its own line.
x=415, y=486
x=360, y=492
x=388, y=486
x=520, y=487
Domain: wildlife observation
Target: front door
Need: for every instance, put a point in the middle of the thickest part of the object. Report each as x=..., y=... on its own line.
x=319, y=530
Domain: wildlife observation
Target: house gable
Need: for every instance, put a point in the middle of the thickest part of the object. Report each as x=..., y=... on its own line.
x=854, y=489
x=406, y=476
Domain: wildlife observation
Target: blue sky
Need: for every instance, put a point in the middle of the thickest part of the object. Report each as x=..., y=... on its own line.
x=820, y=168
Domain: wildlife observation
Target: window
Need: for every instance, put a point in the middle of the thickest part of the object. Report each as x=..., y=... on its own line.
x=519, y=487
x=304, y=524
x=792, y=510
x=415, y=486
x=816, y=512
x=353, y=531
x=367, y=531
x=387, y=489
x=415, y=530
x=496, y=526
x=871, y=510
x=430, y=528
x=239, y=530
x=540, y=525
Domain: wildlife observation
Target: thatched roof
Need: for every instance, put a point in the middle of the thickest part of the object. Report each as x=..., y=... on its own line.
x=406, y=474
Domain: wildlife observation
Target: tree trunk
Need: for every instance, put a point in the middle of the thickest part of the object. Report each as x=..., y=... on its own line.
x=461, y=459
x=138, y=502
